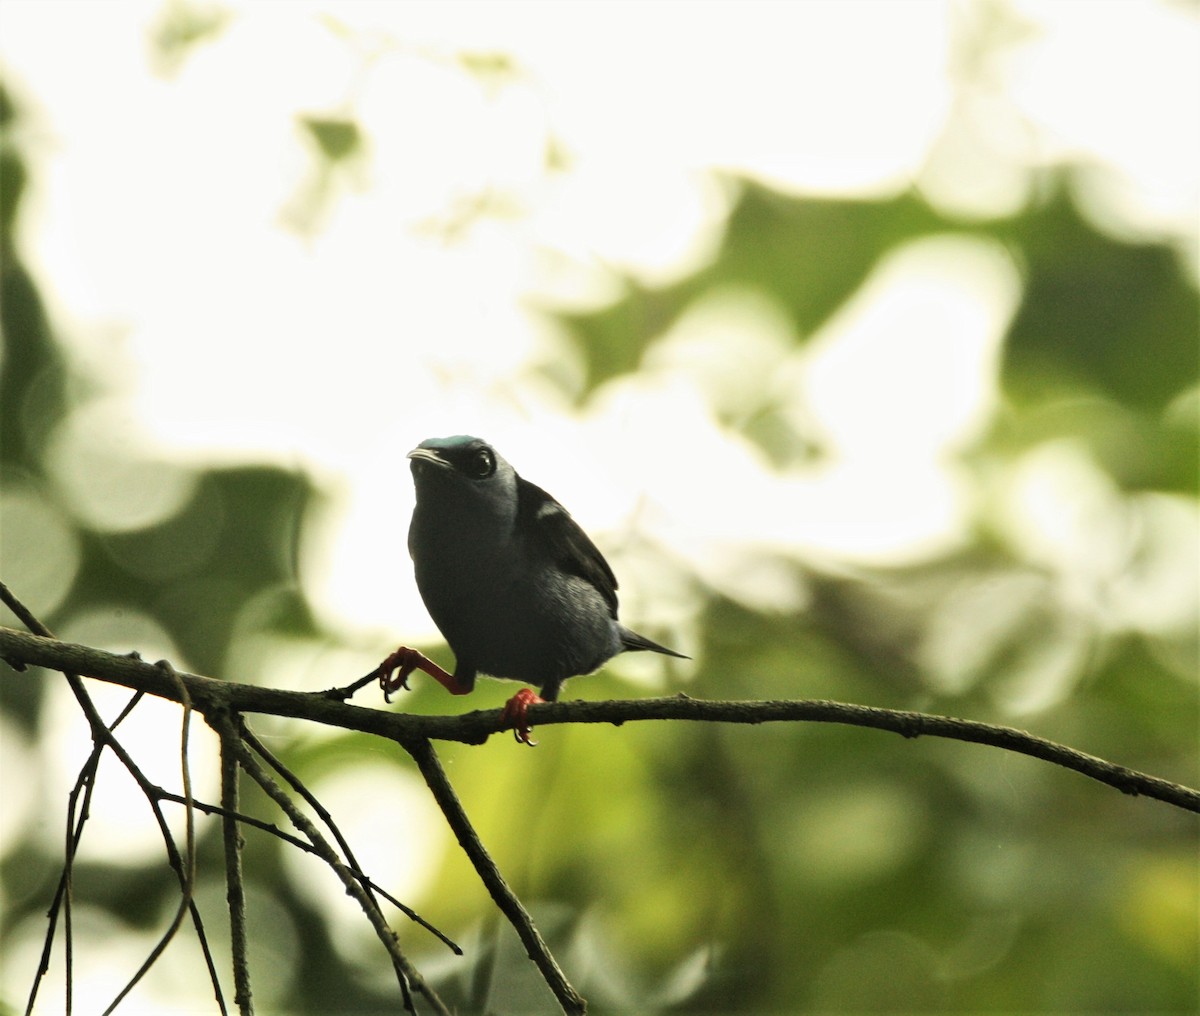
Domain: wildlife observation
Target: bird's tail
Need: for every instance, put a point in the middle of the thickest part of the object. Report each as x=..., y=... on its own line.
x=633, y=642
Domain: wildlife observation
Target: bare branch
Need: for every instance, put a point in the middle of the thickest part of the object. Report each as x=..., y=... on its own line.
x=103, y=737
x=85, y=784
x=355, y=868
x=475, y=727
x=301, y=821
x=235, y=888
x=294, y=841
x=223, y=702
x=435, y=776
x=234, y=752
x=187, y=880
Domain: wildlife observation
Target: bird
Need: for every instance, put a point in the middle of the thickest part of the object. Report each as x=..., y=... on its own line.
x=513, y=583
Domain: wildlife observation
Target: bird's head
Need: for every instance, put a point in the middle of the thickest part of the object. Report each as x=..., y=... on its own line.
x=463, y=473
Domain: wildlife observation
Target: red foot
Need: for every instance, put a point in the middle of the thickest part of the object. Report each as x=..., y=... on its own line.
x=515, y=710
x=403, y=662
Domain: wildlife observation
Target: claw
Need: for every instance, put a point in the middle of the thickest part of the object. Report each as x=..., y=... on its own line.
x=393, y=672
x=515, y=712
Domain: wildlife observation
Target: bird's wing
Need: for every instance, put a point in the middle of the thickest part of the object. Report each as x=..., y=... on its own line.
x=558, y=535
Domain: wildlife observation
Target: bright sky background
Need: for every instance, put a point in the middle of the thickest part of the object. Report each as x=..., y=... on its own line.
x=164, y=226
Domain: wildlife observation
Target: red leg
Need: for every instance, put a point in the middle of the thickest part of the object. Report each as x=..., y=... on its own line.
x=403, y=662
x=515, y=710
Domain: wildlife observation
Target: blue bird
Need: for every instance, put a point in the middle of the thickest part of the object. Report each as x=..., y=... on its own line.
x=516, y=587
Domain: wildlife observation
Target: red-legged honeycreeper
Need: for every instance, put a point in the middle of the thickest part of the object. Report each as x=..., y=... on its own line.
x=512, y=582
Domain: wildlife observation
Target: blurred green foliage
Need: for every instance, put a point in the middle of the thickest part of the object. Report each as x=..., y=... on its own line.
x=700, y=869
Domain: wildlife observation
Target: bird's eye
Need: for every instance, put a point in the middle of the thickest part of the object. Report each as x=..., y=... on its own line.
x=481, y=464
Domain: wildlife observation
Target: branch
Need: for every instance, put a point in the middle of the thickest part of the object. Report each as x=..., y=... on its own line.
x=188, y=876
x=303, y=845
x=234, y=753
x=354, y=889
x=235, y=889
x=352, y=864
x=77, y=815
x=103, y=737
x=207, y=695
x=435, y=777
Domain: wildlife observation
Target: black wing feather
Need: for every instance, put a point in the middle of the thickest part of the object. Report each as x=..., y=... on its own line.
x=560, y=537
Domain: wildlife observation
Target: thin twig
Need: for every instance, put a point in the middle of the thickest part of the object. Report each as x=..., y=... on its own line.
x=74, y=834
x=439, y=785
x=406, y=973
x=301, y=788
x=84, y=784
x=341, y=694
x=475, y=727
x=188, y=873
x=301, y=821
x=294, y=841
x=235, y=889
x=355, y=868
x=103, y=737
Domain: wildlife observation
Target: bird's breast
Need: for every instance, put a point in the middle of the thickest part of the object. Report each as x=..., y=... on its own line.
x=459, y=561
x=506, y=610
